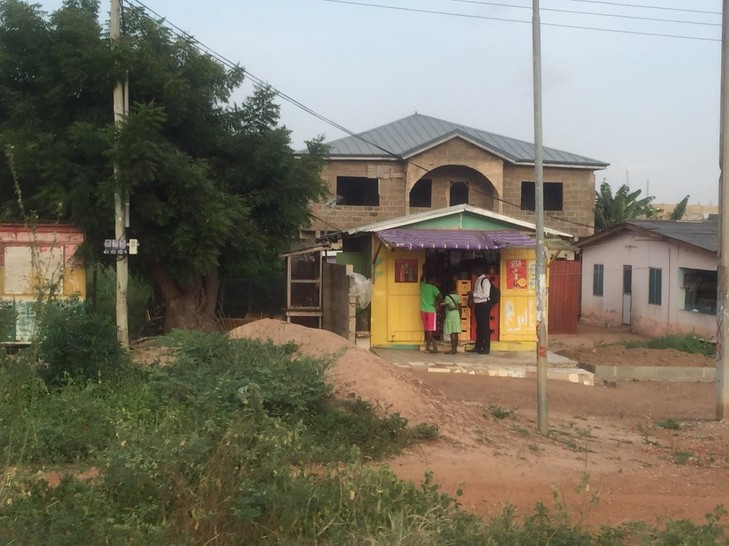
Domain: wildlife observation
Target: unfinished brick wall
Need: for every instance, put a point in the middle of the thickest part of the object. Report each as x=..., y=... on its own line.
x=339, y=307
x=578, y=214
x=494, y=184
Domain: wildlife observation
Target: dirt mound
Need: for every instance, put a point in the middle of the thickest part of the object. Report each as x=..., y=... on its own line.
x=357, y=372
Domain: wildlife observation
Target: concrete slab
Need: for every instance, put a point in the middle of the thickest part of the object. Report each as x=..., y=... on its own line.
x=514, y=364
x=652, y=373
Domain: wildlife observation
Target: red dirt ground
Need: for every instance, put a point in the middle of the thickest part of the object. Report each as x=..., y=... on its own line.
x=637, y=469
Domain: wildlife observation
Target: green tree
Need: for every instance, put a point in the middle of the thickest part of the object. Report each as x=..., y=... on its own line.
x=215, y=189
x=624, y=205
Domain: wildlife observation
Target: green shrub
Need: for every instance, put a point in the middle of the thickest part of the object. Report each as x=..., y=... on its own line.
x=139, y=295
x=76, y=345
x=219, y=369
x=337, y=426
x=8, y=317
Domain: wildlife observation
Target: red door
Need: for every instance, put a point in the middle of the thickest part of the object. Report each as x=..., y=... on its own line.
x=564, y=297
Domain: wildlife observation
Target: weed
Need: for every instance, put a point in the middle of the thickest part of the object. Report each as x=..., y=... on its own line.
x=425, y=431
x=682, y=457
x=670, y=424
x=533, y=447
x=521, y=431
x=644, y=434
x=498, y=412
x=583, y=432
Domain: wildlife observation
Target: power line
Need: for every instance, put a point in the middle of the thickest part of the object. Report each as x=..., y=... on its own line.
x=504, y=19
x=591, y=13
x=257, y=81
x=647, y=7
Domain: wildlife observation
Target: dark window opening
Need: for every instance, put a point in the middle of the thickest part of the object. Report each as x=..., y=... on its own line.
x=655, y=280
x=422, y=193
x=358, y=190
x=458, y=194
x=700, y=286
x=553, y=196
x=627, y=279
x=598, y=279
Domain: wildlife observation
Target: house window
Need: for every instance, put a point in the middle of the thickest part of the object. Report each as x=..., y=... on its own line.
x=28, y=271
x=553, y=196
x=655, y=278
x=421, y=194
x=458, y=194
x=700, y=290
x=358, y=190
x=598, y=274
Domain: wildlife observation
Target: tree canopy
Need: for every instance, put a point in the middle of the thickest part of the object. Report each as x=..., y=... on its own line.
x=215, y=188
x=624, y=205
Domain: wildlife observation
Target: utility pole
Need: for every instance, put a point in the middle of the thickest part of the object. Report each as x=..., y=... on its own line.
x=540, y=266
x=722, y=316
x=120, y=202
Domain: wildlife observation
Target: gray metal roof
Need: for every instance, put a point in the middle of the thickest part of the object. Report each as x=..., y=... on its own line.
x=699, y=234
x=411, y=135
x=703, y=235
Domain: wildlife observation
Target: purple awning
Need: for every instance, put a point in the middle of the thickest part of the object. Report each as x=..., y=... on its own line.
x=462, y=239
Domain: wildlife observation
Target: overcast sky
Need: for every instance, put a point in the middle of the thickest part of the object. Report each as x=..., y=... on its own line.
x=646, y=104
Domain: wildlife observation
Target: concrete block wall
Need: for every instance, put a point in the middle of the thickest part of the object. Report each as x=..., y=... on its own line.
x=339, y=313
x=493, y=185
x=578, y=194
x=391, y=178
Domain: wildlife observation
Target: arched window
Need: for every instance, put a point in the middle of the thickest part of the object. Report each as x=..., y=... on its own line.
x=458, y=194
x=421, y=194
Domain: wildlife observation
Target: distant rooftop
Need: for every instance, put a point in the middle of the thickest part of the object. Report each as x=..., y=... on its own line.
x=703, y=235
x=699, y=234
x=409, y=136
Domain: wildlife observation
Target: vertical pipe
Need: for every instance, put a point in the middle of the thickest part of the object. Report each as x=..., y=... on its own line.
x=541, y=274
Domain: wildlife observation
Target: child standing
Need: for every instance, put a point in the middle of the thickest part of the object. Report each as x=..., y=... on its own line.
x=452, y=322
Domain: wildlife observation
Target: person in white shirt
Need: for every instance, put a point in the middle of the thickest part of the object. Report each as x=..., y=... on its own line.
x=482, y=303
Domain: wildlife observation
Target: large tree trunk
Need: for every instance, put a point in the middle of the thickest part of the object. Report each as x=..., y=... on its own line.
x=189, y=306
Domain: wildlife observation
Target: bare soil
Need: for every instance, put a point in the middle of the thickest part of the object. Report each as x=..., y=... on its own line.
x=607, y=459
x=594, y=345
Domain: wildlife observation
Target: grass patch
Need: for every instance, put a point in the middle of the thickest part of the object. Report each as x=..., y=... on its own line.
x=685, y=343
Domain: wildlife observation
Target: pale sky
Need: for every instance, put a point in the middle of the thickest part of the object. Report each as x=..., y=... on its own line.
x=648, y=105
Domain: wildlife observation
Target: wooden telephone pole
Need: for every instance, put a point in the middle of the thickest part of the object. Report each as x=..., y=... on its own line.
x=540, y=265
x=120, y=201
x=722, y=313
